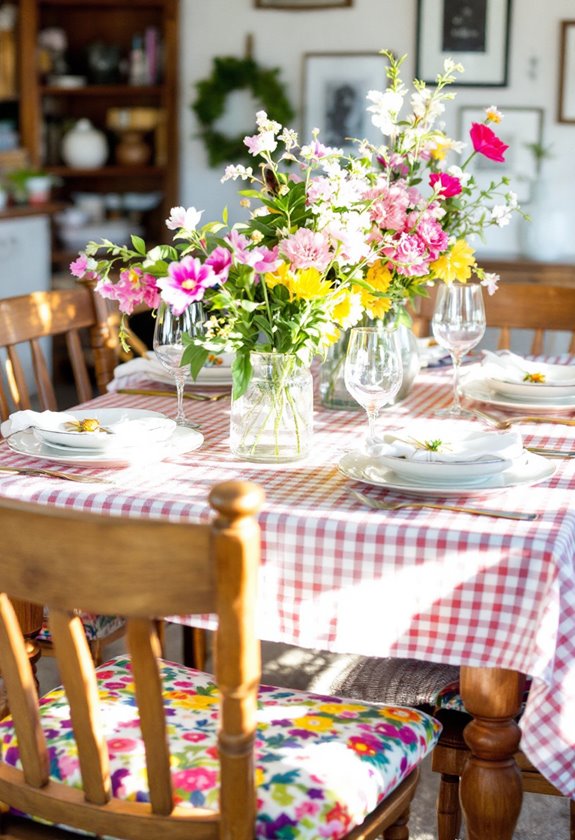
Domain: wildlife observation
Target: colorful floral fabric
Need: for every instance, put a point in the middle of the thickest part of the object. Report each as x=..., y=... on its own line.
x=95, y=626
x=322, y=763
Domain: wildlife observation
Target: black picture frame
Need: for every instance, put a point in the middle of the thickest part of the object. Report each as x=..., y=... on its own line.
x=474, y=33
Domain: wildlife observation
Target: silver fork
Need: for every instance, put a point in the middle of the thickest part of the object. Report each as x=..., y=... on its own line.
x=55, y=474
x=506, y=423
x=501, y=514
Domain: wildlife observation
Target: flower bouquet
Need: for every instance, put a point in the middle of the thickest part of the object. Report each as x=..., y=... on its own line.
x=329, y=238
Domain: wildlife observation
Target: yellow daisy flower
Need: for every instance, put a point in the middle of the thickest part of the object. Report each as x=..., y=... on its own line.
x=309, y=284
x=348, y=309
x=380, y=278
x=456, y=264
x=280, y=275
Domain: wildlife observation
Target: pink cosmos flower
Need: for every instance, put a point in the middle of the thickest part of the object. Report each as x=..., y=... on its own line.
x=487, y=143
x=186, y=282
x=490, y=282
x=307, y=249
x=263, y=259
x=448, y=184
x=220, y=261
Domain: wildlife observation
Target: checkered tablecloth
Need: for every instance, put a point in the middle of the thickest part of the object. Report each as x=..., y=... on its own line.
x=433, y=585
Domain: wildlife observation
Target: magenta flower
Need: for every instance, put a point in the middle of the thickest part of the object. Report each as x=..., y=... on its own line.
x=220, y=260
x=487, y=143
x=186, y=283
x=307, y=249
x=449, y=185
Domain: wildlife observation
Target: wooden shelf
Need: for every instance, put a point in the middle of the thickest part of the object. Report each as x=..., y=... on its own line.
x=20, y=210
x=103, y=90
x=106, y=172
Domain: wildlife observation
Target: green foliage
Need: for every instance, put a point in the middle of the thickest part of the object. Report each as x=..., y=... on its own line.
x=230, y=74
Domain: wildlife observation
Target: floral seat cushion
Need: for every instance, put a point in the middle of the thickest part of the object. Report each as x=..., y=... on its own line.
x=95, y=626
x=322, y=764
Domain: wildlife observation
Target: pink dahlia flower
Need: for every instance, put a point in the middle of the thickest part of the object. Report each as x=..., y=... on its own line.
x=307, y=249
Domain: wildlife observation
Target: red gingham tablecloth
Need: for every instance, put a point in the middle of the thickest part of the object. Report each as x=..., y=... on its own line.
x=428, y=584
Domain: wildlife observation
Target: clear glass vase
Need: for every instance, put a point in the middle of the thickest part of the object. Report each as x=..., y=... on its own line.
x=333, y=392
x=273, y=420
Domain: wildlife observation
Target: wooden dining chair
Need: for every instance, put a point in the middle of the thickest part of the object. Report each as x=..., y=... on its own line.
x=517, y=306
x=80, y=320
x=143, y=748
x=76, y=317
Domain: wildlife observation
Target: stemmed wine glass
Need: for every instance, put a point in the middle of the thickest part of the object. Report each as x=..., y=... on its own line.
x=373, y=371
x=458, y=324
x=169, y=346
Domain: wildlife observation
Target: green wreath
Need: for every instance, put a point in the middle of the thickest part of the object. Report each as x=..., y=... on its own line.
x=231, y=74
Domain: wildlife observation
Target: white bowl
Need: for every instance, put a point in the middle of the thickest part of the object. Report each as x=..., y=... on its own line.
x=431, y=472
x=548, y=390
x=129, y=428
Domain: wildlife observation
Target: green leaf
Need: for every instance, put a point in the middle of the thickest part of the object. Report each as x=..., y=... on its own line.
x=139, y=244
x=241, y=374
x=195, y=357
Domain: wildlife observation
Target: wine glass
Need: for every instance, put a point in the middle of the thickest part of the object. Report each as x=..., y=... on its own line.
x=373, y=370
x=169, y=346
x=458, y=324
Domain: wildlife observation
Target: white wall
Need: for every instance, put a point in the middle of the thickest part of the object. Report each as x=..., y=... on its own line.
x=212, y=28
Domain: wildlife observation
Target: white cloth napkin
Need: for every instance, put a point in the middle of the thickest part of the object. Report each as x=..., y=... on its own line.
x=21, y=420
x=454, y=449
x=512, y=368
x=125, y=431
x=150, y=368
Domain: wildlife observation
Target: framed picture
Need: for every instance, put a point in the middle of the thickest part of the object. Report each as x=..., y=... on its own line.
x=301, y=5
x=519, y=128
x=566, y=110
x=335, y=86
x=474, y=33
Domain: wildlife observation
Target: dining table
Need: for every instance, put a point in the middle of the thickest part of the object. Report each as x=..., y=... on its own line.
x=494, y=596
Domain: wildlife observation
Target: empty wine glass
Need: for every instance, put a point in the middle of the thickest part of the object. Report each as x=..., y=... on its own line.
x=169, y=346
x=373, y=370
x=458, y=324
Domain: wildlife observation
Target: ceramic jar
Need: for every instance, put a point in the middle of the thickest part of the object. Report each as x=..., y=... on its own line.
x=84, y=146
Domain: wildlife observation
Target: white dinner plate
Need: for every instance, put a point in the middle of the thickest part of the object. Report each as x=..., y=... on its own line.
x=182, y=440
x=478, y=390
x=533, y=469
x=532, y=391
x=129, y=426
x=445, y=472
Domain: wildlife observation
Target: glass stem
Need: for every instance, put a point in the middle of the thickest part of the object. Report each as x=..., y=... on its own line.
x=456, y=405
x=371, y=418
x=180, y=413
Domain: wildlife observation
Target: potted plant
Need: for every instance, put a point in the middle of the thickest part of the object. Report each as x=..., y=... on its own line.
x=28, y=185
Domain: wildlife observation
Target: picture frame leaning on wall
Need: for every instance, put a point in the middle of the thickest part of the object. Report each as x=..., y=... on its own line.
x=566, y=102
x=474, y=33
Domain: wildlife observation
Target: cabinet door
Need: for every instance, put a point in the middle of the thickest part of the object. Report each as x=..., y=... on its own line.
x=25, y=267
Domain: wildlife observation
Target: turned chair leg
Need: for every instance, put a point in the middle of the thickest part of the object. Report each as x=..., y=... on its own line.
x=571, y=819
x=194, y=647
x=448, y=808
x=400, y=829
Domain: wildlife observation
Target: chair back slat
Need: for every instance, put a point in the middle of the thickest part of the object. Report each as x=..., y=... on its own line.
x=23, y=698
x=17, y=379
x=79, y=367
x=212, y=568
x=79, y=680
x=46, y=395
x=145, y=649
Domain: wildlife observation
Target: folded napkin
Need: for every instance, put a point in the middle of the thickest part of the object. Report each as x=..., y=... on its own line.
x=431, y=354
x=150, y=368
x=512, y=368
x=21, y=420
x=453, y=448
x=125, y=431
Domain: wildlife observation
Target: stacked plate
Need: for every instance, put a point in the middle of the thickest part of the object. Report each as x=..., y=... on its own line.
x=509, y=381
x=121, y=436
x=439, y=462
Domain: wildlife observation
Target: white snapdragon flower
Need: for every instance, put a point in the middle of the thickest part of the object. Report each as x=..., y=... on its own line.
x=490, y=282
x=458, y=172
x=385, y=108
x=233, y=172
x=422, y=103
x=265, y=124
x=501, y=214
